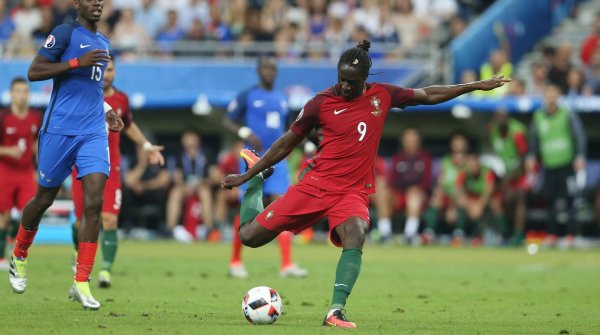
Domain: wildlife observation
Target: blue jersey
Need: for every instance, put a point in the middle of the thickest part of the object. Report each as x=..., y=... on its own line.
x=76, y=104
x=265, y=112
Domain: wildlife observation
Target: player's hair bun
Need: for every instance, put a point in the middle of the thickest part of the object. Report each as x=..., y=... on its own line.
x=365, y=45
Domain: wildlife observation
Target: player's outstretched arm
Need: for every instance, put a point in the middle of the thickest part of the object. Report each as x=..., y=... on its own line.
x=42, y=68
x=278, y=151
x=153, y=151
x=436, y=94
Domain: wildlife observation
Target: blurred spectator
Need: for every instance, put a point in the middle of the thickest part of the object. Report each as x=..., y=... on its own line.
x=196, y=31
x=410, y=180
x=336, y=37
x=236, y=17
x=317, y=20
x=592, y=74
x=218, y=28
x=508, y=139
x=190, y=181
x=557, y=136
x=381, y=201
x=254, y=27
x=457, y=25
x=27, y=18
x=367, y=16
x=144, y=193
x=498, y=65
x=170, y=34
x=560, y=66
x=274, y=15
x=444, y=193
x=591, y=43
x=290, y=42
x=410, y=28
x=575, y=82
x=110, y=15
x=476, y=193
x=516, y=88
x=7, y=26
x=539, y=79
x=47, y=24
x=129, y=37
x=196, y=10
x=64, y=11
x=151, y=17
x=386, y=32
x=436, y=11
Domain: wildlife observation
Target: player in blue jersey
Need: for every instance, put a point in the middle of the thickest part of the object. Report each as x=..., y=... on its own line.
x=259, y=115
x=73, y=134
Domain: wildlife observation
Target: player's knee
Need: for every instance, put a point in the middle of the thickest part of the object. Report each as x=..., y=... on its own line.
x=93, y=203
x=248, y=238
x=42, y=202
x=109, y=222
x=354, y=235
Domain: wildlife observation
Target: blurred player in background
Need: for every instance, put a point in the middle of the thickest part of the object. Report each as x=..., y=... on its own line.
x=74, y=132
x=476, y=193
x=349, y=119
x=112, y=191
x=508, y=138
x=557, y=136
x=259, y=116
x=19, y=128
x=444, y=192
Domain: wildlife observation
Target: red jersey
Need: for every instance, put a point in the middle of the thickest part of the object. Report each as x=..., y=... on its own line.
x=349, y=132
x=120, y=104
x=15, y=131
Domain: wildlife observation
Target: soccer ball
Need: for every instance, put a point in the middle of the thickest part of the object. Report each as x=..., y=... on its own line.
x=262, y=305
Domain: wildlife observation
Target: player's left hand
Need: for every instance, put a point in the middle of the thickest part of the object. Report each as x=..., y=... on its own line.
x=114, y=121
x=233, y=180
x=492, y=83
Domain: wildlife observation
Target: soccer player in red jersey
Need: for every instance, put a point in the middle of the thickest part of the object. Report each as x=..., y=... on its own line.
x=112, y=191
x=19, y=128
x=348, y=119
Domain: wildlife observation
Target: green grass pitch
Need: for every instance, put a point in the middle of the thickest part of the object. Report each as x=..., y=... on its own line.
x=167, y=288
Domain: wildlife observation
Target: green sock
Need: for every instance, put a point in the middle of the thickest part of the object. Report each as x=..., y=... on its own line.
x=252, y=204
x=110, y=243
x=14, y=228
x=74, y=232
x=502, y=224
x=346, y=274
x=3, y=233
x=461, y=219
x=431, y=218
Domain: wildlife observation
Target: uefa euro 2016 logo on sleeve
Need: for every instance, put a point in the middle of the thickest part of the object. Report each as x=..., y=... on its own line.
x=50, y=41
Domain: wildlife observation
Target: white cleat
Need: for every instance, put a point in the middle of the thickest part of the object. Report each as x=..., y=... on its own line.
x=80, y=291
x=238, y=270
x=17, y=274
x=293, y=270
x=4, y=264
x=104, y=279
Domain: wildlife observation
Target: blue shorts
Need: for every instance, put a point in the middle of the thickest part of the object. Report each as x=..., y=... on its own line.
x=59, y=153
x=277, y=184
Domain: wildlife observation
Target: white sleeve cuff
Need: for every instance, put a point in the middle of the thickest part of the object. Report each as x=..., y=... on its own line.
x=106, y=107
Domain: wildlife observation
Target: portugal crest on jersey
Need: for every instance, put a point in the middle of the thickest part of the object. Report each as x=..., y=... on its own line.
x=375, y=102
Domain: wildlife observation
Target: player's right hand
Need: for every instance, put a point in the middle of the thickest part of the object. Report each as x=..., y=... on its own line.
x=14, y=152
x=232, y=180
x=95, y=57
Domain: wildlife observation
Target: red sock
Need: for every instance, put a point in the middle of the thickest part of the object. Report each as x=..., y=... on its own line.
x=86, y=253
x=24, y=239
x=236, y=257
x=285, y=246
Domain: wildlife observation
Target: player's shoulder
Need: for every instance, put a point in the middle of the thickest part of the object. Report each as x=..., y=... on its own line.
x=102, y=37
x=64, y=29
x=121, y=95
x=384, y=86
